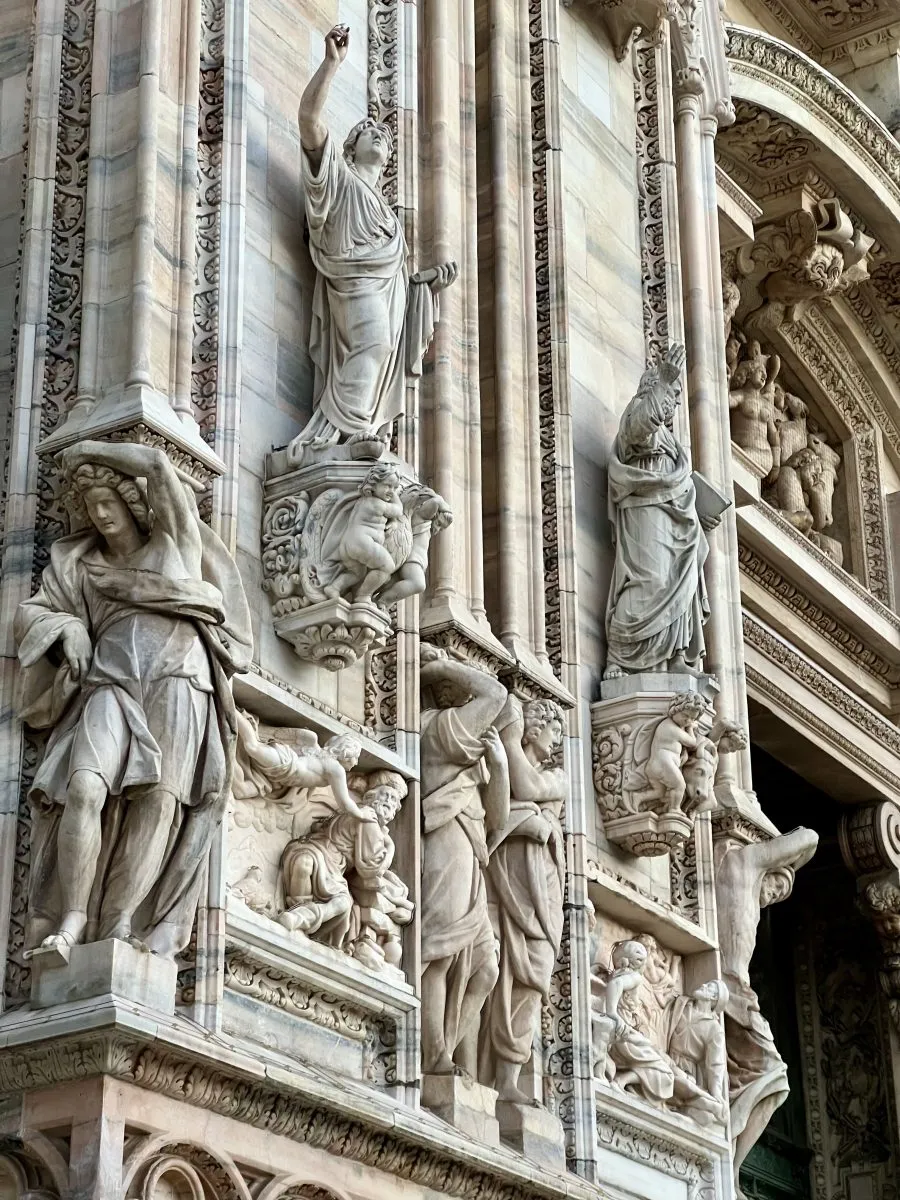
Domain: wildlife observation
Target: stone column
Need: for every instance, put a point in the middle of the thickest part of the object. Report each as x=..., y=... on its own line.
x=695, y=129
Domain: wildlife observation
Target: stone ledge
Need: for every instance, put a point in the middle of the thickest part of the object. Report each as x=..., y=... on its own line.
x=176, y=1058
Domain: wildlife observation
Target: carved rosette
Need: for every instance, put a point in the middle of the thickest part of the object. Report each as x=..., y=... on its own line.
x=344, y=537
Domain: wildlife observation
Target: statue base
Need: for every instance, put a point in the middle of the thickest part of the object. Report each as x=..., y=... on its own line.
x=334, y=633
x=668, y=682
x=650, y=834
x=534, y=1132
x=466, y=1105
x=107, y=968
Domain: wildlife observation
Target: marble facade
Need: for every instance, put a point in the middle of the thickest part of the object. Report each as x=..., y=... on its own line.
x=449, y=599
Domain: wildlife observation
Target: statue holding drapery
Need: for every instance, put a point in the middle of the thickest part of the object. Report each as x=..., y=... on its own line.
x=126, y=652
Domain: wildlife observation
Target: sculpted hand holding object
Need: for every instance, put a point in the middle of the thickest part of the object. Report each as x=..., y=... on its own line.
x=371, y=321
x=126, y=651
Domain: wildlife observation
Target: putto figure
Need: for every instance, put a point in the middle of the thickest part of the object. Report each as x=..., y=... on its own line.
x=657, y=596
x=126, y=650
x=371, y=320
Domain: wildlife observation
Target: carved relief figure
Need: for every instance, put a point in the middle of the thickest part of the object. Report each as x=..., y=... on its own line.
x=790, y=420
x=819, y=482
x=367, y=545
x=126, y=651
x=699, y=770
x=465, y=800
x=525, y=877
x=628, y=1057
x=659, y=780
x=657, y=599
x=752, y=404
x=748, y=878
x=371, y=321
x=696, y=1040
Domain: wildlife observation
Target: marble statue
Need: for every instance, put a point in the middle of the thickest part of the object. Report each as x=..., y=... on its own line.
x=751, y=401
x=657, y=599
x=820, y=480
x=696, y=1040
x=368, y=544
x=790, y=422
x=748, y=878
x=700, y=766
x=126, y=650
x=371, y=320
x=659, y=779
x=465, y=801
x=525, y=880
x=628, y=1058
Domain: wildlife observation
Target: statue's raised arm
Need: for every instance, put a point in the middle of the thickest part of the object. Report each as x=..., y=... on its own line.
x=313, y=131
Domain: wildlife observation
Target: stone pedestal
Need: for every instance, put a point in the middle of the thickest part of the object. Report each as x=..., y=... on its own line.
x=534, y=1132
x=468, y=1106
x=107, y=968
x=667, y=683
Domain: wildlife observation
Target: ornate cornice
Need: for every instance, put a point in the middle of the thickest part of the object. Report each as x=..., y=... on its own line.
x=373, y=1139
x=838, y=698
x=756, y=55
x=756, y=567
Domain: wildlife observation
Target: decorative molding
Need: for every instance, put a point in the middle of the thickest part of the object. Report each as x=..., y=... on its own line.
x=211, y=109
x=279, y=1108
x=648, y=151
x=312, y=701
x=548, y=430
x=383, y=85
x=827, y=689
x=380, y=700
x=754, y=566
x=684, y=887
x=656, y=1151
x=756, y=55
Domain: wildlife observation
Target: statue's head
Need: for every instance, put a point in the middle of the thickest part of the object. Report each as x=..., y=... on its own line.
x=382, y=481
x=776, y=886
x=384, y=793
x=345, y=748
x=687, y=708
x=630, y=955
x=712, y=996
x=370, y=143
x=112, y=503
x=543, y=728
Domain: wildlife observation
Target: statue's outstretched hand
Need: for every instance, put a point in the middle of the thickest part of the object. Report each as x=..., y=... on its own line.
x=337, y=43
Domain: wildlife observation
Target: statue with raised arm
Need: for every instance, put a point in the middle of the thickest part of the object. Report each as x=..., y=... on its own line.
x=371, y=321
x=465, y=801
x=657, y=596
x=748, y=878
x=525, y=878
x=126, y=651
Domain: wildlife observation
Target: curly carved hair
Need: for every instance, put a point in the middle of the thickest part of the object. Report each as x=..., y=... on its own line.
x=688, y=702
x=538, y=714
x=352, y=137
x=383, y=473
x=89, y=476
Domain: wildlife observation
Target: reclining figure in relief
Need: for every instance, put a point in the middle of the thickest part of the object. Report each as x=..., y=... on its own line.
x=371, y=320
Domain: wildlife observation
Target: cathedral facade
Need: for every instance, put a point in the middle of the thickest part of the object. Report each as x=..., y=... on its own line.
x=450, y=599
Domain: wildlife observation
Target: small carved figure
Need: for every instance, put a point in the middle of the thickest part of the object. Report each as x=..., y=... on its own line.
x=126, y=651
x=696, y=1040
x=657, y=598
x=371, y=321
x=366, y=558
x=748, y=878
x=820, y=484
x=659, y=781
x=702, y=763
x=752, y=404
x=525, y=878
x=465, y=800
x=317, y=766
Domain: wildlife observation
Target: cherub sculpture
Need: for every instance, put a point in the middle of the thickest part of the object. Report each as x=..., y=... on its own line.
x=372, y=544
x=657, y=778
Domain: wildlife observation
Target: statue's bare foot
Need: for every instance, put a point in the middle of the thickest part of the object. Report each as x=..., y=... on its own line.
x=137, y=944
x=515, y=1095
x=613, y=672
x=302, y=919
x=444, y=1065
x=64, y=940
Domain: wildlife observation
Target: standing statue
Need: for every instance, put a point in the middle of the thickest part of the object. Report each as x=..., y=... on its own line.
x=790, y=422
x=525, y=877
x=371, y=321
x=126, y=650
x=657, y=596
x=465, y=800
x=748, y=878
x=751, y=401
